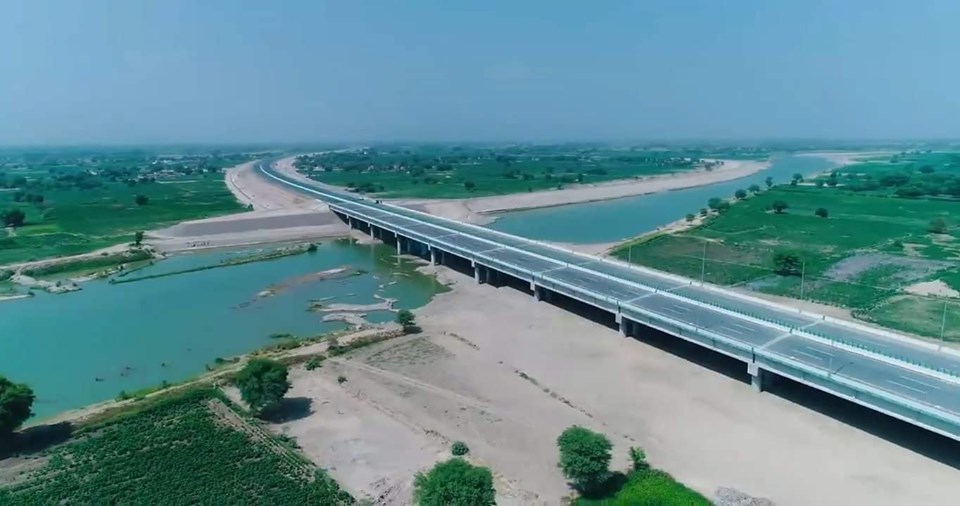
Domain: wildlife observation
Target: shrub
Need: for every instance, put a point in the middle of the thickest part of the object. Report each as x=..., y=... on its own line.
x=822, y=212
x=584, y=457
x=690, y=217
x=937, y=226
x=141, y=199
x=657, y=488
x=459, y=449
x=315, y=362
x=740, y=194
x=455, y=483
x=341, y=379
x=779, y=206
x=638, y=458
x=787, y=264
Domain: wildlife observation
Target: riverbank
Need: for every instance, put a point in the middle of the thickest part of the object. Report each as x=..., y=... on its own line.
x=478, y=210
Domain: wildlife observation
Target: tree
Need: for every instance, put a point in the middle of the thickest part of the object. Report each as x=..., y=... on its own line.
x=406, y=319
x=822, y=212
x=459, y=448
x=703, y=211
x=263, y=383
x=584, y=457
x=769, y=181
x=798, y=177
x=937, y=226
x=714, y=203
x=779, y=206
x=15, y=402
x=690, y=217
x=13, y=218
x=138, y=238
x=141, y=199
x=639, y=459
x=754, y=188
x=469, y=185
x=787, y=264
x=454, y=483
x=740, y=194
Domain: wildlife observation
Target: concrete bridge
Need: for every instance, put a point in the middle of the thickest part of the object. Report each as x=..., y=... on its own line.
x=896, y=375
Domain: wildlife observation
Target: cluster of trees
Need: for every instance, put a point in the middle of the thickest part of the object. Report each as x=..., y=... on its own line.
x=263, y=383
x=16, y=401
x=13, y=218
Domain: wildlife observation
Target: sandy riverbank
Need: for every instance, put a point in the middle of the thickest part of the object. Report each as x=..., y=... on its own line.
x=508, y=384
x=477, y=210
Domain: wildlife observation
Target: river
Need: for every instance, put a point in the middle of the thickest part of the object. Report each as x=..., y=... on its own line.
x=616, y=220
x=136, y=335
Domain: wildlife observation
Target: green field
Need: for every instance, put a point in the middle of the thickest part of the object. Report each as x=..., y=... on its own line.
x=78, y=205
x=189, y=447
x=867, y=251
x=428, y=171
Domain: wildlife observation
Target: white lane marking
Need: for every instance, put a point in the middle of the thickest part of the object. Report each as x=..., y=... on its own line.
x=809, y=355
x=674, y=310
x=742, y=326
x=908, y=387
x=728, y=329
x=819, y=352
x=919, y=382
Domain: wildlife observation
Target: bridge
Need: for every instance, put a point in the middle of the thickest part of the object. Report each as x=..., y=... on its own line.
x=913, y=381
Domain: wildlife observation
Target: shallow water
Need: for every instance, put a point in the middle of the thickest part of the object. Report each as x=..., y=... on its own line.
x=616, y=220
x=136, y=335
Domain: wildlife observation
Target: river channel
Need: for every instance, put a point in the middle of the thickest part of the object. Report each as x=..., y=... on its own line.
x=84, y=347
x=616, y=220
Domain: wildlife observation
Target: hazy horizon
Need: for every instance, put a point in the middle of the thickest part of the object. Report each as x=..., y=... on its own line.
x=181, y=73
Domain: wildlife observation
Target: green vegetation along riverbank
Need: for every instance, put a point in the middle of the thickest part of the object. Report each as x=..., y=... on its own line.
x=190, y=446
x=432, y=171
x=888, y=256
x=59, y=203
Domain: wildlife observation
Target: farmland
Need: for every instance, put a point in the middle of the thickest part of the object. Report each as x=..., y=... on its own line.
x=184, y=448
x=877, y=254
x=434, y=171
x=79, y=202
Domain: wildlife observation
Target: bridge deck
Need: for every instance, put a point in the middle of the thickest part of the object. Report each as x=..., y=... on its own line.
x=892, y=372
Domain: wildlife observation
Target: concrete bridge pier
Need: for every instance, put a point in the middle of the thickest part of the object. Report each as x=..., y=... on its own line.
x=399, y=245
x=758, y=377
x=626, y=326
x=540, y=293
x=433, y=256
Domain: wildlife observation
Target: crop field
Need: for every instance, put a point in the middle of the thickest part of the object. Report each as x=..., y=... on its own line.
x=460, y=172
x=870, y=248
x=74, y=220
x=188, y=448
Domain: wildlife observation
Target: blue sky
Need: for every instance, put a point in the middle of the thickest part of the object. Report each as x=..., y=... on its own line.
x=74, y=72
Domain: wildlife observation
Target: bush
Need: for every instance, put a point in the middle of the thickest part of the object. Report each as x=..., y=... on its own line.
x=779, y=206
x=141, y=199
x=584, y=457
x=822, y=212
x=639, y=459
x=703, y=211
x=787, y=264
x=312, y=247
x=459, y=449
x=341, y=379
x=690, y=217
x=454, y=483
x=315, y=362
x=657, y=488
x=937, y=226
x=740, y=194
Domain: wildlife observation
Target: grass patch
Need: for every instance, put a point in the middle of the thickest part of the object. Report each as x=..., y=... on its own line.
x=918, y=315
x=646, y=487
x=88, y=265
x=176, y=449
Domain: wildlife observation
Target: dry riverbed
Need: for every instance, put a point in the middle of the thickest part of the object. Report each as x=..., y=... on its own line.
x=506, y=375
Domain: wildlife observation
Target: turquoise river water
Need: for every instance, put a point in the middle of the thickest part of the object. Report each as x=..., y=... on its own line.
x=616, y=220
x=136, y=335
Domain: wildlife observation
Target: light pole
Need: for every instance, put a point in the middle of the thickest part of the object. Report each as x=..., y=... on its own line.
x=803, y=271
x=943, y=323
x=703, y=263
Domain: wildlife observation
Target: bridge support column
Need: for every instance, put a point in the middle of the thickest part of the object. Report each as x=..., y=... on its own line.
x=478, y=273
x=541, y=293
x=624, y=325
x=433, y=256
x=758, y=377
x=399, y=245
